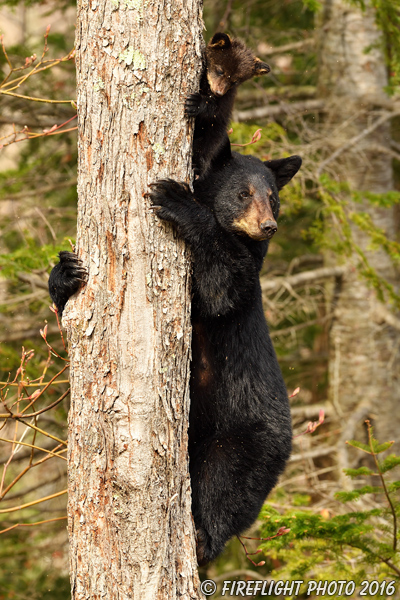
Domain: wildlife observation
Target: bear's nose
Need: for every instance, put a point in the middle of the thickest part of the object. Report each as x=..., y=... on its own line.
x=269, y=228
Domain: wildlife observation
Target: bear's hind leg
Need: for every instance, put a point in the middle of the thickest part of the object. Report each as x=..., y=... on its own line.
x=231, y=475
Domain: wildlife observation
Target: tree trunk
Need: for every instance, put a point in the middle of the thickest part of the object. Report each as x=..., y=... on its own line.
x=364, y=355
x=130, y=524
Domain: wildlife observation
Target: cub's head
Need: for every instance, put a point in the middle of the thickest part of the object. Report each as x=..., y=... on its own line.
x=244, y=193
x=229, y=63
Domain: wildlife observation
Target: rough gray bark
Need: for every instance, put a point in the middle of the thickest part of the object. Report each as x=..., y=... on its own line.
x=364, y=354
x=130, y=525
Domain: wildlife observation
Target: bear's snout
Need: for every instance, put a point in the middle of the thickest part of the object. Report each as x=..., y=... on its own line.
x=269, y=228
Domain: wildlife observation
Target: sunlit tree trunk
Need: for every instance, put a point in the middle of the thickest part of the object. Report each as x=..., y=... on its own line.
x=130, y=525
x=364, y=349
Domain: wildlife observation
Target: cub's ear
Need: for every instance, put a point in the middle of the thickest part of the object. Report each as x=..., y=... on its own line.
x=261, y=68
x=220, y=41
x=284, y=169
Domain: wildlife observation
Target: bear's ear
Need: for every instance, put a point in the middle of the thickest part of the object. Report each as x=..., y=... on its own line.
x=261, y=68
x=220, y=41
x=284, y=169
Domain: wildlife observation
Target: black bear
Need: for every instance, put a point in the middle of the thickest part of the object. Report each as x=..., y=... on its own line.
x=239, y=427
x=228, y=63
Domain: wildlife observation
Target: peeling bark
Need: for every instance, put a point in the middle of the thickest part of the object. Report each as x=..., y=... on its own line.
x=130, y=526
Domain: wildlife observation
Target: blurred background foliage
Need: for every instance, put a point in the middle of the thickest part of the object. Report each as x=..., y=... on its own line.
x=330, y=281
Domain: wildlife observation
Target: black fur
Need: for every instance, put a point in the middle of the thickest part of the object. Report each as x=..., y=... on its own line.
x=228, y=63
x=240, y=429
x=65, y=279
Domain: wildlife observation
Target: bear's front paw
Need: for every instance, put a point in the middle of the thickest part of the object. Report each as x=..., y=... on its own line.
x=171, y=199
x=66, y=278
x=194, y=104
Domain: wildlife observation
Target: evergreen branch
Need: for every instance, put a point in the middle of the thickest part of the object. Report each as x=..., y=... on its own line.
x=389, y=564
x=393, y=511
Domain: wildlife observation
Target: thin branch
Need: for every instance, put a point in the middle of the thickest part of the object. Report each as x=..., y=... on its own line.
x=33, y=281
x=357, y=138
x=301, y=45
x=389, y=564
x=48, y=384
x=25, y=334
x=19, y=443
x=311, y=410
x=38, y=191
x=33, y=99
x=383, y=315
x=33, y=524
x=31, y=466
x=270, y=286
x=24, y=453
x=293, y=328
x=315, y=453
x=392, y=508
x=15, y=508
x=49, y=407
x=46, y=433
x=288, y=108
x=35, y=487
x=29, y=384
x=222, y=23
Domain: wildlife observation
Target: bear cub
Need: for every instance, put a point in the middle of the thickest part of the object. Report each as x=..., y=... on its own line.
x=239, y=426
x=228, y=63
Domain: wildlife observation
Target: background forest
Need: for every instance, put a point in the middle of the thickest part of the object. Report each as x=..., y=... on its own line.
x=330, y=285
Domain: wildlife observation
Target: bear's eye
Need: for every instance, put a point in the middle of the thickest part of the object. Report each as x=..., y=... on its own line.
x=244, y=195
x=219, y=71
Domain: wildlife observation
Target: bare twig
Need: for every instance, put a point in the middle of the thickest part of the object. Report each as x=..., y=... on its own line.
x=33, y=524
x=314, y=453
x=222, y=23
x=19, y=443
x=357, y=138
x=39, y=191
x=15, y=508
x=270, y=286
x=301, y=45
x=25, y=334
x=383, y=315
x=273, y=110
